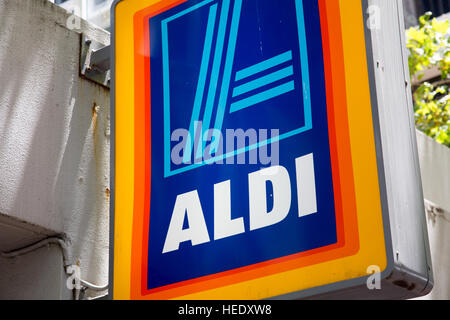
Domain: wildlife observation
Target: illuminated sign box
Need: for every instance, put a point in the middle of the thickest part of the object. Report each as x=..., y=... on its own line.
x=241, y=170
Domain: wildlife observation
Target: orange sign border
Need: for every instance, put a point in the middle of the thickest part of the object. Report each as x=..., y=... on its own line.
x=344, y=189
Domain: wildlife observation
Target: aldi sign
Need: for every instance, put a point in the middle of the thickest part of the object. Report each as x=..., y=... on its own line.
x=225, y=207
x=245, y=162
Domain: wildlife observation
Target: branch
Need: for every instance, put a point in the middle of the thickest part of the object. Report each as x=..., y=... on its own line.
x=444, y=82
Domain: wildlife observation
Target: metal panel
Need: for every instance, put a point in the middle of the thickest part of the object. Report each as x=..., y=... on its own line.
x=95, y=61
x=400, y=157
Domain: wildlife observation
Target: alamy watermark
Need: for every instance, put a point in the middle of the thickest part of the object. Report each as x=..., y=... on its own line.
x=374, y=280
x=237, y=146
x=374, y=20
x=74, y=279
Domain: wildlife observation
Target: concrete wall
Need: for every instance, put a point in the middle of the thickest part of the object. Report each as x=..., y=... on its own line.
x=37, y=275
x=435, y=171
x=435, y=167
x=54, y=151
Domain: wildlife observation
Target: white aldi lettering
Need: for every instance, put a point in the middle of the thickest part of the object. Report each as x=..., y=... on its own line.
x=188, y=205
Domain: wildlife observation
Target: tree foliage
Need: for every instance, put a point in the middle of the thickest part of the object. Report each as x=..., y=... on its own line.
x=429, y=47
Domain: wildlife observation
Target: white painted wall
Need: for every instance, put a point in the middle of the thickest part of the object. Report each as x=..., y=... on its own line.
x=435, y=167
x=435, y=172
x=54, y=148
x=38, y=275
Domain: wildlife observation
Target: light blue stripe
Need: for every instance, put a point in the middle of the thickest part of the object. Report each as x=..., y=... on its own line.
x=166, y=94
x=215, y=72
x=201, y=81
x=182, y=13
x=267, y=64
x=304, y=62
x=166, y=81
x=228, y=65
x=263, y=96
x=307, y=103
x=268, y=79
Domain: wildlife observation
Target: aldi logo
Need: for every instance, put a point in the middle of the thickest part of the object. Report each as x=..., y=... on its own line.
x=241, y=67
x=246, y=63
x=241, y=165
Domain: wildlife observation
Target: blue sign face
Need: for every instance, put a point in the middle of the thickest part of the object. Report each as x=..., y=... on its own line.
x=241, y=167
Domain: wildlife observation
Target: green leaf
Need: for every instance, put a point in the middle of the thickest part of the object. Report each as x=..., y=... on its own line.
x=429, y=46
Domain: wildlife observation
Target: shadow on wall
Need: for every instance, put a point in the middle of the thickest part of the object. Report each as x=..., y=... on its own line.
x=54, y=139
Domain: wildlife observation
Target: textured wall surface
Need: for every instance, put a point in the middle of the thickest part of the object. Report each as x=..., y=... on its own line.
x=435, y=167
x=37, y=275
x=435, y=171
x=54, y=147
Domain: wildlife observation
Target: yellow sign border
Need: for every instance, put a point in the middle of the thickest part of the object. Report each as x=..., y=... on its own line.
x=370, y=221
